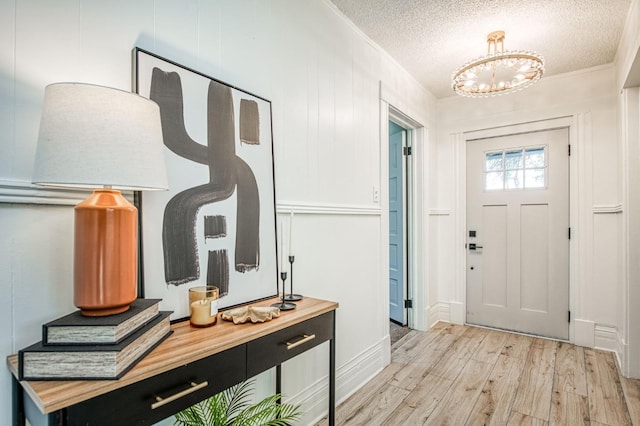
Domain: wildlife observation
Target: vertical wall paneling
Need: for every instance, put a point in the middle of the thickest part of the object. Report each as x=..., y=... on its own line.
x=107, y=60
x=457, y=276
x=39, y=61
x=309, y=142
x=36, y=267
x=7, y=284
x=7, y=88
x=210, y=34
x=606, y=255
x=176, y=30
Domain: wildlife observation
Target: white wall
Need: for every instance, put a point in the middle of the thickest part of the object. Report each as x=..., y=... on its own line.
x=627, y=63
x=587, y=99
x=323, y=78
x=629, y=312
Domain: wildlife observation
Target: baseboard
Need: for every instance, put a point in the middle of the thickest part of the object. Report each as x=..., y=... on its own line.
x=609, y=339
x=584, y=333
x=437, y=312
x=452, y=312
x=622, y=353
x=603, y=337
x=606, y=338
x=349, y=378
x=456, y=313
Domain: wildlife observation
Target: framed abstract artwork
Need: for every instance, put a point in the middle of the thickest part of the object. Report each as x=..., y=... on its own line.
x=216, y=225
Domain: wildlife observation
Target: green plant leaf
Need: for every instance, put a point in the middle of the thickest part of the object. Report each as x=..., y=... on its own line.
x=232, y=407
x=238, y=398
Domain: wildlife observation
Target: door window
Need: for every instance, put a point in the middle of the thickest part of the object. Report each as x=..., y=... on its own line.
x=515, y=169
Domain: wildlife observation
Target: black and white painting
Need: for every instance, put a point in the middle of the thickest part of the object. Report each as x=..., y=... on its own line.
x=216, y=224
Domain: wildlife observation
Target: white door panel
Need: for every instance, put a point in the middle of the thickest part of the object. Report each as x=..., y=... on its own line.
x=518, y=206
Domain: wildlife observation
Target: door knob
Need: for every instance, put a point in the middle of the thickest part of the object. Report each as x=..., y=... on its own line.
x=474, y=246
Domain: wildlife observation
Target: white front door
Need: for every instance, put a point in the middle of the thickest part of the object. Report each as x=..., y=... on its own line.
x=518, y=232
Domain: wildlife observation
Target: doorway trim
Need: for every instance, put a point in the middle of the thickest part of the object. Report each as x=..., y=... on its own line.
x=393, y=108
x=578, y=221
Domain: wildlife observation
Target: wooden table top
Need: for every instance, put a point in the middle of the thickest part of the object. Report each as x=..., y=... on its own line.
x=187, y=344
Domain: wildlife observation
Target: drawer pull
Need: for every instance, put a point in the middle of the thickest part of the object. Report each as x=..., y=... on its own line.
x=162, y=401
x=305, y=339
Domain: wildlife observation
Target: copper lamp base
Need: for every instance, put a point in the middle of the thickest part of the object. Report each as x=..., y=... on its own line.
x=105, y=254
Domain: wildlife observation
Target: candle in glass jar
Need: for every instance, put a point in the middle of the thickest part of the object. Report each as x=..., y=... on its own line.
x=201, y=313
x=203, y=305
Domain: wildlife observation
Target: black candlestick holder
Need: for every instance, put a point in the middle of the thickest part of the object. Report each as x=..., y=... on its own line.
x=291, y=297
x=283, y=305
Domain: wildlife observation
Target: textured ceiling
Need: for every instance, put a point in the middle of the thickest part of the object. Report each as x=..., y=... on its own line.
x=432, y=38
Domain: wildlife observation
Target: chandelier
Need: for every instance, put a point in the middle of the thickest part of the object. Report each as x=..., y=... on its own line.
x=497, y=72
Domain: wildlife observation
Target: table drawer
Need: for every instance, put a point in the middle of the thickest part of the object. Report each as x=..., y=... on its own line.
x=275, y=348
x=180, y=388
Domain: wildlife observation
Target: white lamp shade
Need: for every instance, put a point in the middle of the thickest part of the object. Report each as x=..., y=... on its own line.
x=94, y=136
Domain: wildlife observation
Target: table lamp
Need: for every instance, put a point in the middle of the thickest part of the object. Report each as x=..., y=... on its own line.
x=105, y=139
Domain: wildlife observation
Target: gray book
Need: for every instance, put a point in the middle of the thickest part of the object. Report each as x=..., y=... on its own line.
x=92, y=362
x=77, y=329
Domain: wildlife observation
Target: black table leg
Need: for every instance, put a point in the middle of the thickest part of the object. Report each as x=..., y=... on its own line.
x=332, y=374
x=18, y=402
x=279, y=381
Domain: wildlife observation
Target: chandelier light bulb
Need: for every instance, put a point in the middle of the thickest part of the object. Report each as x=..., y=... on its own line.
x=498, y=72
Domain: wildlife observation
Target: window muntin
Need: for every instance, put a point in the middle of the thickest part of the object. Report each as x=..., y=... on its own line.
x=515, y=169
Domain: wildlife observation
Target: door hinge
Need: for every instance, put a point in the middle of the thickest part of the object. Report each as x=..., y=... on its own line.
x=406, y=150
x=408, y=303
x=569, y=232
x=569, y=316
x=569, y=150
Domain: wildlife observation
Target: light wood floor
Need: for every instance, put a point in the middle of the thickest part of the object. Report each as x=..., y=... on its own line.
x=462, y=375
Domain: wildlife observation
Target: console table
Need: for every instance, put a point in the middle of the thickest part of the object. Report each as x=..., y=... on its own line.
x=191, y=365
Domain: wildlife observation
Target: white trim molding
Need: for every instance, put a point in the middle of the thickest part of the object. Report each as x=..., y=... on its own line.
x=607, y=209
x=394, y=106
x=457, y=313
x=584, y=333
x=28, y=193
x=598, y=336
x=606, y=338
x=622, y=353
x=436, y=313
x=451, y=312
x=327, y=209
x=440, y=212
x=629, y=296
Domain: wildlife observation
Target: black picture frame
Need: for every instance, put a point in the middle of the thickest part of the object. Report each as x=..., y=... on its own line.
x=217, y=223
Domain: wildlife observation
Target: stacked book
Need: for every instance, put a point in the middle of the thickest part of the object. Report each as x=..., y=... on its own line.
x=76, y=347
